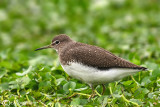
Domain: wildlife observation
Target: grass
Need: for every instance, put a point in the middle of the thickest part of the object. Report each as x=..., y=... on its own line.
x=129, y=29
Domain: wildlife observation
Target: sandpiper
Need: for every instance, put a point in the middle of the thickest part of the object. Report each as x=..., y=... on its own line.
x=91, y=64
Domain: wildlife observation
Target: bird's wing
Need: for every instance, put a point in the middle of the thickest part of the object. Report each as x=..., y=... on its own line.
x=99, y=58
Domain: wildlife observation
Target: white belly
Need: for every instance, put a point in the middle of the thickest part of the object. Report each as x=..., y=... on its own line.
x=91, y=75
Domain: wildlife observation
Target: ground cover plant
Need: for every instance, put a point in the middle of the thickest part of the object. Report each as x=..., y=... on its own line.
x=129, y=29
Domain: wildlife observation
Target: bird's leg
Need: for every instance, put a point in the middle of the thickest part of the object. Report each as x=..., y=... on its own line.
x=93, y=92
x=104, y=88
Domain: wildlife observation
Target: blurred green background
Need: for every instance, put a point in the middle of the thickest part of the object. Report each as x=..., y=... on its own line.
x=128, y=28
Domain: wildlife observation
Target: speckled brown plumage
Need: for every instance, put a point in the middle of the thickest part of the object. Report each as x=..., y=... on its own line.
x=71, y=51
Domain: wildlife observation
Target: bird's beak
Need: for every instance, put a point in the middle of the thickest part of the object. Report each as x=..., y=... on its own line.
x=45, y=47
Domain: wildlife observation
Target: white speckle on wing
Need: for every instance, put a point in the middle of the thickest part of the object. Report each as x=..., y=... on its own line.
x=92, y=75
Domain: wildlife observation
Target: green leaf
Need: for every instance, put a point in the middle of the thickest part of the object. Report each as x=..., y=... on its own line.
x=141, y=92
x=145, y=81
x=156, y=72
x=13, y=85
x=81, y=89
x=57, y=104
x=69, y=86
x=104, y=101
x=4, y=86
x=127, y=83
x=22, y=82
x=75, y=102
x=136, y=101
x=150, y=95
x=127, y=94
x=2, y=73
x=25, y=72
x=117, y=95
x=45, y=85
x=60, y=80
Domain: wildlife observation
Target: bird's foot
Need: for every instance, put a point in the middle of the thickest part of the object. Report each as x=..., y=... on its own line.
x=91, y=96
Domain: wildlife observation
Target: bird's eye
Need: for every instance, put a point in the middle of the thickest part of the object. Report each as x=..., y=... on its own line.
x=57, y=42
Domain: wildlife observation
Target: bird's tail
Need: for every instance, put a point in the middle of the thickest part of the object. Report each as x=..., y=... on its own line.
x=144, y=69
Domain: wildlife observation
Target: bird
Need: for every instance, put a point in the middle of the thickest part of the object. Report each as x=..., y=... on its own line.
x=91, y=64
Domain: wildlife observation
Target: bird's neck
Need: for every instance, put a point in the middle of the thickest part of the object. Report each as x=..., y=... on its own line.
x=64, y=47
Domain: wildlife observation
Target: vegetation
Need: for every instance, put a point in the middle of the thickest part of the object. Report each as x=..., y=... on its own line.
x=128, y=28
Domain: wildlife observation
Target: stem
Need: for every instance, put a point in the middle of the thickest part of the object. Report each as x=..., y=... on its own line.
x=124, y=98
x=18, y=92
x=28, y=99
x=139, y=76
x=110, y=89
x=97, y=93
x=83, y=94
x=135, y=80
x=15, y=102
x=43, y=104
x=116, y=84
x=74, y=94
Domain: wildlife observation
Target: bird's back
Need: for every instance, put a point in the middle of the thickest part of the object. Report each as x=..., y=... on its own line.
x=94, y=56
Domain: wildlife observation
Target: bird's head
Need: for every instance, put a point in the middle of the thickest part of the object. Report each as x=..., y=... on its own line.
x=57, y=42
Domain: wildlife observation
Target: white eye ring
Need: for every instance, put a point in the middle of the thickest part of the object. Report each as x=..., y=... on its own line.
x=57, y=42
